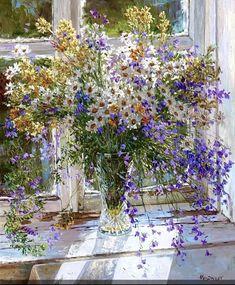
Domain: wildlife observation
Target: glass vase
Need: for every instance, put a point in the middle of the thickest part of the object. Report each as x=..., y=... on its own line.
x=111, y=172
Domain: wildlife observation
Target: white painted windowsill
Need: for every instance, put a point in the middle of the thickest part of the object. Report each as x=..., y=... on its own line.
x=42, y=47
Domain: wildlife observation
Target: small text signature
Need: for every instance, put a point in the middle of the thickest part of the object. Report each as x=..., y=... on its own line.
x=208, y=277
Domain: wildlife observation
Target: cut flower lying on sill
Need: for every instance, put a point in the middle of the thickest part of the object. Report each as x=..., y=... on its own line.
x=138, y=109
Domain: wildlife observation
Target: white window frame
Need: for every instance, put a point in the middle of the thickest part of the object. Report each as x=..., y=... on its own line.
x=41, y=47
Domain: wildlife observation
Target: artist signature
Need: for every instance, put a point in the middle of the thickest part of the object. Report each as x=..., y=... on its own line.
x=208, y=277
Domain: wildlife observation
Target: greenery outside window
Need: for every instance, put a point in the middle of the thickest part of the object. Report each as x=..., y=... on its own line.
x=17, y=17
x=176, y=11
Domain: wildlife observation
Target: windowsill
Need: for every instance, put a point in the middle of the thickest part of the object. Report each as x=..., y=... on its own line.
x=92, y=200
x=82, y=241
x=184, y=41
x=23, y=40
x=41, y=47
x=52, y=204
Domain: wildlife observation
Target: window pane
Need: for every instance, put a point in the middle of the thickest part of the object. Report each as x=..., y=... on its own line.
x=17, y=17
x=176, y=10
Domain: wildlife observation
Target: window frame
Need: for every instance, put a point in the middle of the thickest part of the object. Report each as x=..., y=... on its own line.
x=41, y=47
x=72, y=9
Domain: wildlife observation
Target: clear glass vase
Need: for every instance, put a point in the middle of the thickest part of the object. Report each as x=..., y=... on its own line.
x=110, y=173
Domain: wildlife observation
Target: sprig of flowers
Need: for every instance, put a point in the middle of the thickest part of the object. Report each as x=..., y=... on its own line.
x=43, y=26
x=139, y=19
x=163, y=26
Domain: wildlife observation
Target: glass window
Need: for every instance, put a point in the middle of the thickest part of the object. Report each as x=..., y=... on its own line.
x=176, y=10
x=43, y=166
x=17, y=17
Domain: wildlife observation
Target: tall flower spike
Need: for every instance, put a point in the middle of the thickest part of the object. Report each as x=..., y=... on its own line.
x=163, y=27
x=139, y=19
x=66, y=37
x=43, y=26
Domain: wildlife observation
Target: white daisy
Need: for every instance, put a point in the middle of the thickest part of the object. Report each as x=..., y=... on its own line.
x=21, y=50
x=12, y=71
x=9, y=88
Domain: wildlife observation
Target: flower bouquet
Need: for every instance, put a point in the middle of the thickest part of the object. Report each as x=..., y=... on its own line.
x=140, y=108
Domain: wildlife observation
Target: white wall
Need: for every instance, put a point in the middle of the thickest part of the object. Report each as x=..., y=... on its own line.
x=212, y=22
x=226, y=60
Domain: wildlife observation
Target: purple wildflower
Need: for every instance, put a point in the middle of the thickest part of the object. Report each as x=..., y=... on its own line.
x=19, y=193
x=204, y=241
x=126, y=159
x=137, y=234
x=208, y=253
x=54, y=236
x=104, y=19
x=29, y=231
x=22, y=112
x=94, y=13
x=122, y=147
x=26, y=100
x=15, y=159
x=100, y=130
x=26, y=156
x=121, y=129
x=11, y=131
x=35, y=182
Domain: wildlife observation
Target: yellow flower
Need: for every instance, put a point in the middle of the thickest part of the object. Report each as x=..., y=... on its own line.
x=139, y=19
x=28, y=72
x=66, y=41
x=139, y=108
x=112, y=123
x=54, y=123
x=114, y=108
x=45, y=77
x=163, y=27
x=43, y=26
